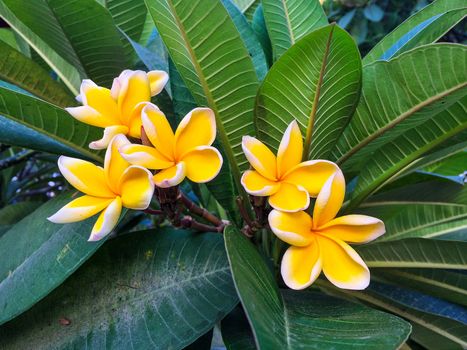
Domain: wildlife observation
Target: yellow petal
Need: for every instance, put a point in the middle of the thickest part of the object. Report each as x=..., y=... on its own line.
x=157, y=80
x=118, y=83
x=301, y=266
x=257, y=185
x=114, y=164
x=203, y=163
x=354, y=228
x=107, y=221
x=158, y=130
x=260, y=157
x=290, y=198
x=197, y=128
x=134, y=89
x=100, y=99
x=290, y=149
x=342, y=265
x=80, y=209
x=109, y=134
x=135, y=123
x=292, y=228
x=89, y=115
x=136, y=188
x=85, y=177
x=145, y=156
x=311, y=175
x=171, y=176
x=329, y=200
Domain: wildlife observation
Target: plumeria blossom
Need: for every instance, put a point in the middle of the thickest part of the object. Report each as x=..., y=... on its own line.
x=185, y=153
x=318, y=243
x=118, y=110
x=106, y=190
x=285, y=179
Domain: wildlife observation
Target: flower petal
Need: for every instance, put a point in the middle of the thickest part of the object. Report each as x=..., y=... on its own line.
x=354, y=228
x=89, y=115
x=145, y=156
x=260, y=157
x=311, y=175
x=109, y=134
x=135, y=123
x=80, y=209
x=197, y=128
x=290, y=198
x=301, y=266
x=290, y=149
x=100, y=99
x=114, y=164
x=329, y=200
x=157, y=80
x=292, y=228
x=133, y=90
x=171, y=176
x=158, y=130
x=136, y=188
x=203, y=163
x=257, y=185
x=107, y=221
x=342, y=265
x=85, y=177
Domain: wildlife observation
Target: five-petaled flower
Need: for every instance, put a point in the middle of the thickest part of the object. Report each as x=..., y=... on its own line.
x=118, y=110
x=318, y=243
x=287, y=180
x=105, y=190
x=187, y=153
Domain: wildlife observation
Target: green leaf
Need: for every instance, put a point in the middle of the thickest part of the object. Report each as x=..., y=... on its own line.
x=215, y=65
x=150, y=289
x=28, y=75
x=12, y=213
x=236, y=331
x=402, y=94
x=291, y=319
x=373, y=13
x=452, y=164
x=38, y=255
x=290, y=20
x=416, y=253
x=316, y=82
x=258, y=25
x=32, y=123
x=424, y=27
x=251, y=10
x=129, y=16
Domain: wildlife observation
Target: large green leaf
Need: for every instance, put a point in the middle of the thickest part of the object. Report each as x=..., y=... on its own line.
x=146, y=290
x=214, y=63
x=424, y=27
x=317, y=83
x=236, y=331
x=297, y=319
x=28, y=75
x=290, y=20
x=37, y=255
x=129, y=16
x=29, y=122
x=416, y=253
x=401, y=94
x=12, y=213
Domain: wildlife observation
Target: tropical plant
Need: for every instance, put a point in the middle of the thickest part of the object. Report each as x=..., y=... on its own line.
x=234, y=151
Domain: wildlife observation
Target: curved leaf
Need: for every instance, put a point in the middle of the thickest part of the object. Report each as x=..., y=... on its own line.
x=28, y=75
x=424, y=27
x=145, y=290
x=29, y=122
x=259, y=27
x=290, y=20
x=129, y=16
x=316, y=82
x=294, y=316
x=214, y=63
x=12, y=213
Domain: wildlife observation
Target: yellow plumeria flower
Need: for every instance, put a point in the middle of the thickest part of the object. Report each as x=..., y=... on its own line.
x=286, y=179
x=187, y=153
x=318, y=243
x=106, y=190
x=117, y=110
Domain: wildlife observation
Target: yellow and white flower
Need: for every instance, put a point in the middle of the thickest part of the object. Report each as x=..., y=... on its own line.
x=187, y=153
x=286, y=180
x=318, y=243
x=106, y=190
x=118, y=110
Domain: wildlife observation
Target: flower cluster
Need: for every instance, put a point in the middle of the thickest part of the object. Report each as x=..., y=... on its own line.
x=317, y=243
x=125, y=181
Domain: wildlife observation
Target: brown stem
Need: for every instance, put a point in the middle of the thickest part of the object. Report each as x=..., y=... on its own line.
x=243, y=212
x=201, y=212
x=153, y=211
x=189, y=222
x=144, y=138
